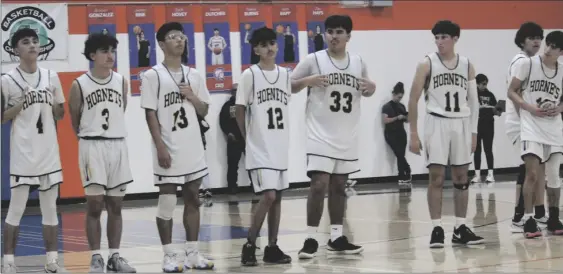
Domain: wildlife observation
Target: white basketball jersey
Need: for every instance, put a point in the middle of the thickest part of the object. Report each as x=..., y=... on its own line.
x=34, y=148
x=512, y=117
x=446, y=93
x=217, y=42
x=179, y=126
x=103, y=111
x=267, y=120
x=333, y=113
x=544, y=87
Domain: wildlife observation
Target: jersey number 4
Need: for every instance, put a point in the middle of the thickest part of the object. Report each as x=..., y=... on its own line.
x=180, y=119
x=279, y=118
x=456, y=102
x=337, y=106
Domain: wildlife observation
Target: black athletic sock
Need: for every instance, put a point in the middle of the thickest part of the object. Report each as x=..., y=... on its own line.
x=539, y=211
x=518, y=214
x=554, y=213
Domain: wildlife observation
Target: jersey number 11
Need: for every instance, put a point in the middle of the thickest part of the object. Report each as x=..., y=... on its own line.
x=456, y=102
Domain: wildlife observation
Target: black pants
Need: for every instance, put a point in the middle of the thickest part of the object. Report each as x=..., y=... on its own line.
x=397, y=140
x=485, y=134
x=234, y=152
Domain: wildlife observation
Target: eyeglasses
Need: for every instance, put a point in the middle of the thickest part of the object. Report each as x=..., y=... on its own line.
x=174, y=36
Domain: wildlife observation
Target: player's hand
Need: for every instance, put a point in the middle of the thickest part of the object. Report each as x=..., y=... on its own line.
x=164, y=159
x=367, y=87
x=415, y=145
x=186, y=91
x=401, y=117
x=535, y=110
x=555, y=111
x=231, y=137
x=317, y=81
x=473, y=142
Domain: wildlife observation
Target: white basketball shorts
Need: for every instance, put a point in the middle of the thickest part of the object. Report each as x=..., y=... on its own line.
x=180, y=180
x=268, y=179
x=104, y=162
x=542, y=151
x=518, y=146
x=43, y=182
x=447, y=141
x=316, y=163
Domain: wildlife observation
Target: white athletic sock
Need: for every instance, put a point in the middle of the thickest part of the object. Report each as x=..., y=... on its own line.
x=8, y=258
x=477, y=173
x=190, y=246
x=51, y=256
x=490, y=172
x=113, y=251
x=168, y=249
x=459, y=221
x=335, y=232
x=312, y=232
x=437, y=222
x=96, y=252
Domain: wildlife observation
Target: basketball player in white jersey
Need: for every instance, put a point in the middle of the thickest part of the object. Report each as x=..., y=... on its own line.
x=34, y=102
x=97, y=104
x=540, y=103
x=173, y=95
x=262, y=114
x=338, y=79
x=450, y=128
x=528, y=38
x=217, y=42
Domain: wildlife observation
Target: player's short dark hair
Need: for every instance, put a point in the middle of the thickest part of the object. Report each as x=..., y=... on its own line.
x=481, y=78
x=339, y=21
x=22, y=34
x=166, y=28
x=399, y=88
x=263, y=34
x=555, y=39
x=446, y=27
x=98, y=41
x=527, y=30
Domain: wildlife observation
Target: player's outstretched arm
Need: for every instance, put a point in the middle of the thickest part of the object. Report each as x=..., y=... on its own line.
x=472, y=99
x=75, y=106
x=417, y=87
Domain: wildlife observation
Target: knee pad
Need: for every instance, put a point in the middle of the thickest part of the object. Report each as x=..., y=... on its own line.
x=552, y=171
x=48, y=205
x=464, y=186
x=521, y=175
x=18, y=201
x=166, y=205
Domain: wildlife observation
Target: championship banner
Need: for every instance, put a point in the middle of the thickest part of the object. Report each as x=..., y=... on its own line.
x=251, y=17
x=217, y=52
x=50, y=21
x=183, y=14
x=142, y=44
x=102, y=19
x=285, y=25
x=316, y=14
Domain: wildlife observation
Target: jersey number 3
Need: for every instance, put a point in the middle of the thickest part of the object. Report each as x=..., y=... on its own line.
x=337, y=106
x=279, y=118
x=456, y=102
x=181, y=116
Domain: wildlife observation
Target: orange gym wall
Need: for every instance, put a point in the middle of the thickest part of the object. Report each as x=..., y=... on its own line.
x=404, y=15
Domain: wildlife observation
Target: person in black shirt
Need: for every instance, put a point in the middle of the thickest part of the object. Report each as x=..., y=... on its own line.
x=235, y=142
x=394, y=116
x=204, y=191
x=485, y=128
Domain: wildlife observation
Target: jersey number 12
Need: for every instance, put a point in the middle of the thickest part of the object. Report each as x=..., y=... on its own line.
x=456, y=102
x=279, y=118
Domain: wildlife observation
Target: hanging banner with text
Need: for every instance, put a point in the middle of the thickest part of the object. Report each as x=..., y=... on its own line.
x=183, y=15
x=285, y=25
x=50, y=22
x=102, y=19
x=142, y=44
x=217, y=53
x=251, y=17
x=316, y=15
